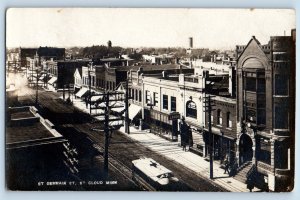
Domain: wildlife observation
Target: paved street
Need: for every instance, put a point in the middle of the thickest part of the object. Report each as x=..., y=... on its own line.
x=122, y=149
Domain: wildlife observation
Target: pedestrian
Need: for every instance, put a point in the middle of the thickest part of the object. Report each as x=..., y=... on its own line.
x=250, y=183
x=183, y=133
x=226, y=165
x=86, y=101
x=191, y=142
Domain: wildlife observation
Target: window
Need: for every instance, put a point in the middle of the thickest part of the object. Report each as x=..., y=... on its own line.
x=280, y=56
x=165, y=102
x=155, y=98
x=173, y=104
x=281, y=85
x=228, y=122
x=147, y=97
x=219, y=117
x=250, y=84
x=281, y=117
x=136, y=95
x=132, y=94
x=140, y=96
x=191, y=109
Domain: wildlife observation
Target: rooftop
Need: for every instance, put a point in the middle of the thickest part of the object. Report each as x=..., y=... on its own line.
x=150, y=67
x=27, y=128
x=26, y=133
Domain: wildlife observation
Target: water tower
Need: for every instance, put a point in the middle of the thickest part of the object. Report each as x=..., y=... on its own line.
x=190, y=42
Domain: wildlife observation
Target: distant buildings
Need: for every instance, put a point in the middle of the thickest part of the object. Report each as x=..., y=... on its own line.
x=44, y=53
x=253, y=92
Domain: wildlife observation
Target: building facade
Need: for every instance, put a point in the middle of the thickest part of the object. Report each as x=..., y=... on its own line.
x=265, y=100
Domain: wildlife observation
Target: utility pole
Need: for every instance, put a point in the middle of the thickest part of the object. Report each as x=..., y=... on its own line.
x=106, y=131
x=208, y=109
x=127, y=130
x=90, y=94
x=211, y=141
x=108, y=128
x=37, y=87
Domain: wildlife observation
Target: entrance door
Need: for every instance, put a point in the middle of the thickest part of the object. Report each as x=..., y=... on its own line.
x=245, y=147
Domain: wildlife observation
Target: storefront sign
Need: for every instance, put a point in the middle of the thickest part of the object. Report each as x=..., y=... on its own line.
x=174, y=115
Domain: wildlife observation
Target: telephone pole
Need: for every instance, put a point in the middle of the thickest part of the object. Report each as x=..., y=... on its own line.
x=127, y=130
x=107, y=127
x=208, y=109
x=106, y=131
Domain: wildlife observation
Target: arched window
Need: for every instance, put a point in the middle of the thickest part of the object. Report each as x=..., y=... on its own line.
x=219, y=117
x=191, y=109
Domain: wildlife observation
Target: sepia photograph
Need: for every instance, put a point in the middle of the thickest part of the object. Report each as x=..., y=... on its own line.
x=150, y=99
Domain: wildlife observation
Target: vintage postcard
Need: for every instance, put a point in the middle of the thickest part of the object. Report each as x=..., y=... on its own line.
x=137, y=99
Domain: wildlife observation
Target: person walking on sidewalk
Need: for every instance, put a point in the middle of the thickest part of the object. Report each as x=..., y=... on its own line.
x=226, y=164
x=184, y=130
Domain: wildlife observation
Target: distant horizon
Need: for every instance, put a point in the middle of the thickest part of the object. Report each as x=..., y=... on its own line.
x=219, y=29
x=141, y=47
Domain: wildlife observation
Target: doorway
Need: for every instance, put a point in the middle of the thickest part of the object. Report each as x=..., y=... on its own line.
x=245, y=148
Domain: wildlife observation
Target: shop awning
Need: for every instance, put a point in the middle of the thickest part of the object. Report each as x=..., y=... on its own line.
x=52, y=80
x=133, y=110
x=81, y=92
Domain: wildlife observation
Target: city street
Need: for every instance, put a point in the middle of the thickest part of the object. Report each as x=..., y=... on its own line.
x=75, y=125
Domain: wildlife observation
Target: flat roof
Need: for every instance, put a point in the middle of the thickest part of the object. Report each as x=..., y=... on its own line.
x=27, y=128
x=26, y=133
x=22, y=114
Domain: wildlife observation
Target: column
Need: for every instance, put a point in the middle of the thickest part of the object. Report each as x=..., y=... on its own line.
x=272, y=141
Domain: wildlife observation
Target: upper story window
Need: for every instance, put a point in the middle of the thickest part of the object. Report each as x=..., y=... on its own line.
x=281, y=117
x=155, y=98
x=132, y=94
x=136, y=95
x=219, y=117
x=165, y=102
x=228, y=122
x=140, y=96
x=281, y=84
x=191, y=109
x=173, y=104
x=280, y=56
x=250, y=84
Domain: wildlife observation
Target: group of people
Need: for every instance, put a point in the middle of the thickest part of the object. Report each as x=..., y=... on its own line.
x=186, y=135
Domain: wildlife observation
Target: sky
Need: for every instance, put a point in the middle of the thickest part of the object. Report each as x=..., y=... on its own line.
x=210, y=28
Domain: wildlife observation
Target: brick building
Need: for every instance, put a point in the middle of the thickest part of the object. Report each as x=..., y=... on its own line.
x=265, y=104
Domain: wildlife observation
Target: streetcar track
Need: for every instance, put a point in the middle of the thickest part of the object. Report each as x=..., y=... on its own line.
x=120, y=160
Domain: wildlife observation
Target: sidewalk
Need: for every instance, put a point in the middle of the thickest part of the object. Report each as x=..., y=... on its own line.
x=172, y=151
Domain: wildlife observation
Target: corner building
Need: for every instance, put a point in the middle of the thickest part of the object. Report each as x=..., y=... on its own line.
x=265, y=109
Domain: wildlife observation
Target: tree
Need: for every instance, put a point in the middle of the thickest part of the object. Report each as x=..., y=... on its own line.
x=135, y=56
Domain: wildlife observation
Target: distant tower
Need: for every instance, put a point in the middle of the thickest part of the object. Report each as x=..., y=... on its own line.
x=191, y=42
x=109, y=44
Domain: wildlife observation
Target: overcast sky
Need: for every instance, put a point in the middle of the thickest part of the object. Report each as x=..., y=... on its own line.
x=210, y=28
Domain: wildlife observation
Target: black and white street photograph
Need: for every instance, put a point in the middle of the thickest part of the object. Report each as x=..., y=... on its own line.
x=150, y=99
